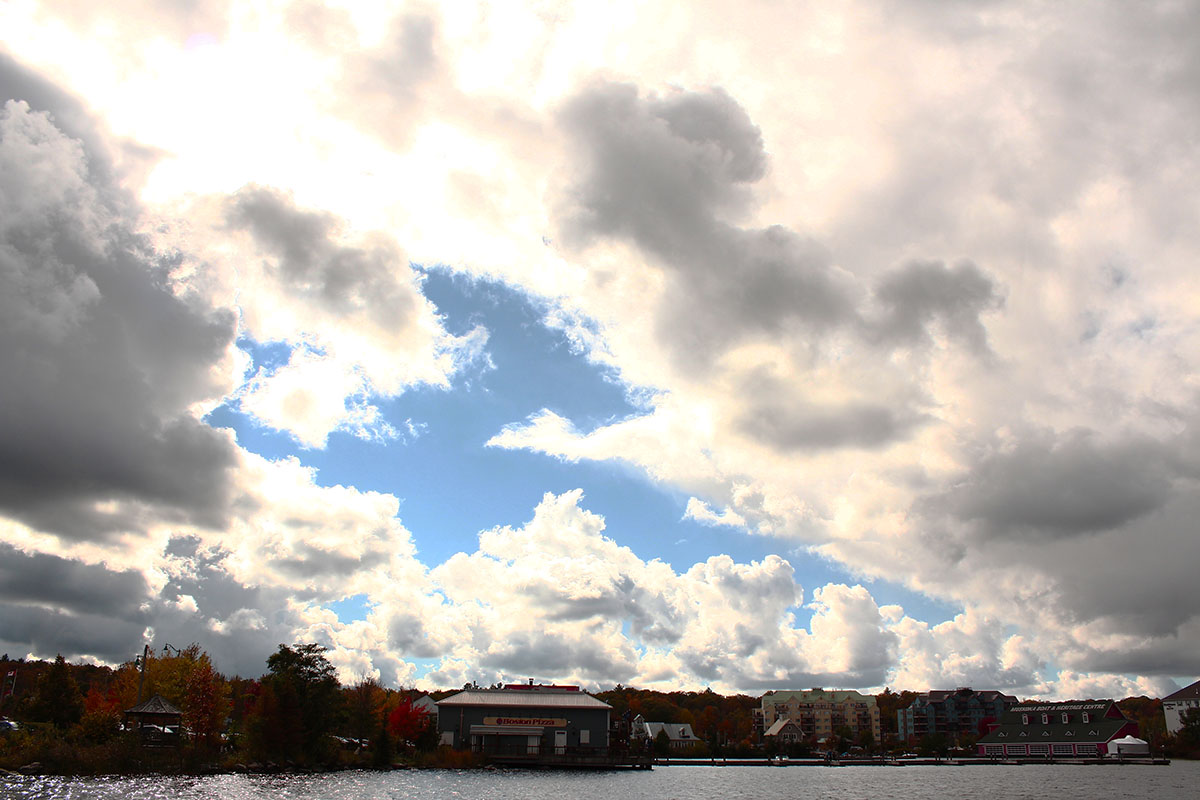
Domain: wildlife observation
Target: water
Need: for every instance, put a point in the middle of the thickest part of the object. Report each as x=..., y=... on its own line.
x=1053, y=782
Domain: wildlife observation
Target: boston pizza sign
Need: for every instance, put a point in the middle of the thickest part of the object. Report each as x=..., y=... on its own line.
x=543, y=722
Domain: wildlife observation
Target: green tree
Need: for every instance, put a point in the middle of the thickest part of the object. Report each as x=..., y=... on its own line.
x=364, y=706
x=1189, y=733
x=381, y=745
x=933, y=744
x=306, y=703
x=58, y=699
x=662, y=743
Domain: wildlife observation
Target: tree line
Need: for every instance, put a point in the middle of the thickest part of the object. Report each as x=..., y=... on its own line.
x=70, y=717
x=297, y=713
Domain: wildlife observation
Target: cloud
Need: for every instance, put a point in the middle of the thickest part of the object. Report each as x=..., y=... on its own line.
x=919, y=293
x=1064, y=486
x=559, y=593
x=106, y=353
x=39, y=580
x=347, y=304
x=666, y=174
x=906, y=287
x=700, y=511
x=385, y=89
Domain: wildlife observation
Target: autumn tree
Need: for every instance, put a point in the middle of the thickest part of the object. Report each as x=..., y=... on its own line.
x=409, y=723
x=206, y=704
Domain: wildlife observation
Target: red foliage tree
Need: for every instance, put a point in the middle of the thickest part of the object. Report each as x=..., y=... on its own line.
x=407, y=722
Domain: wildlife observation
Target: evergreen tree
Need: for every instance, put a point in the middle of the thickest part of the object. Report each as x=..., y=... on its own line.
x=299, y=705
x=58, y=699
x=381, y=745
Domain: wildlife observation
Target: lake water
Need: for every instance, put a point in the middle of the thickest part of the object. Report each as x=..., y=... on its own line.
x=1053, y=782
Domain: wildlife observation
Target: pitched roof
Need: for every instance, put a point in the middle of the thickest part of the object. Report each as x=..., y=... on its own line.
x=1105, y=721
x=1186, y=693
x=155, y=705
x=779, y=725
x=676, y=731
x=508, y=698
x=964, y=695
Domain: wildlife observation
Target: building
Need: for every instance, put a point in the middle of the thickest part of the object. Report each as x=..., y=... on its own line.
x=1057, y=730
x=1175, y=704
x=952, y=714
x=428, y=705
x=785, y=732
x=680, y=735
x=157, y=721
x=823, y=711
x=525, y=721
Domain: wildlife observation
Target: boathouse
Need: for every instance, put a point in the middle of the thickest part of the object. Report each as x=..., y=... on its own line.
x=526, y=722
x=1057, y=730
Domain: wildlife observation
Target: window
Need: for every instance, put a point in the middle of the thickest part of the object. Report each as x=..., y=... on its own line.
x=1066, y=718
x=1024, y=719
x=1045, y=719
x=1086, y=718
x=585, y=736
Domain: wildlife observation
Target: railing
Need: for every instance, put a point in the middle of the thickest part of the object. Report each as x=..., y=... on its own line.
x=580, y=755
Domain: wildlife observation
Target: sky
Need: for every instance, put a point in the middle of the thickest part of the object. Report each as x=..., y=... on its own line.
x=741, y=345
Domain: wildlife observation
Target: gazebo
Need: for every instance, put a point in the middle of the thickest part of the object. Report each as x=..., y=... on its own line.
x=157, y=720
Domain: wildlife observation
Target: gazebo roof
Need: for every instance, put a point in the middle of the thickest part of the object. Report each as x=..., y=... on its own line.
x=155, y=705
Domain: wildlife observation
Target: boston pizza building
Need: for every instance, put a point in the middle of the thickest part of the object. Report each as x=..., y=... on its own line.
x=525, y=721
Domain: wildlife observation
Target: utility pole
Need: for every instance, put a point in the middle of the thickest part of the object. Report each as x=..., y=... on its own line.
x=142, y=680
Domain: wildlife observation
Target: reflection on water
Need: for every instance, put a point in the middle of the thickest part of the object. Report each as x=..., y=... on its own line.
x=1063, y=782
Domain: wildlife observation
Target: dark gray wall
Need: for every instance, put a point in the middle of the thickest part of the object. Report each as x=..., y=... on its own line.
x=459, y=719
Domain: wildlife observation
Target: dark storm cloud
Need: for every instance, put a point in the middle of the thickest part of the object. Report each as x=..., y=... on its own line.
x=101, y=357
x=1168, y=657
x=71, y=586
x=1064, y=486
x=1138, y=579
x=341, y=279
x=42, y=631
x=921, y=293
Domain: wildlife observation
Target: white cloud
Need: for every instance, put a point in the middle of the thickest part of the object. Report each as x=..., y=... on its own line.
x=700, y=511
x=915, y=289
